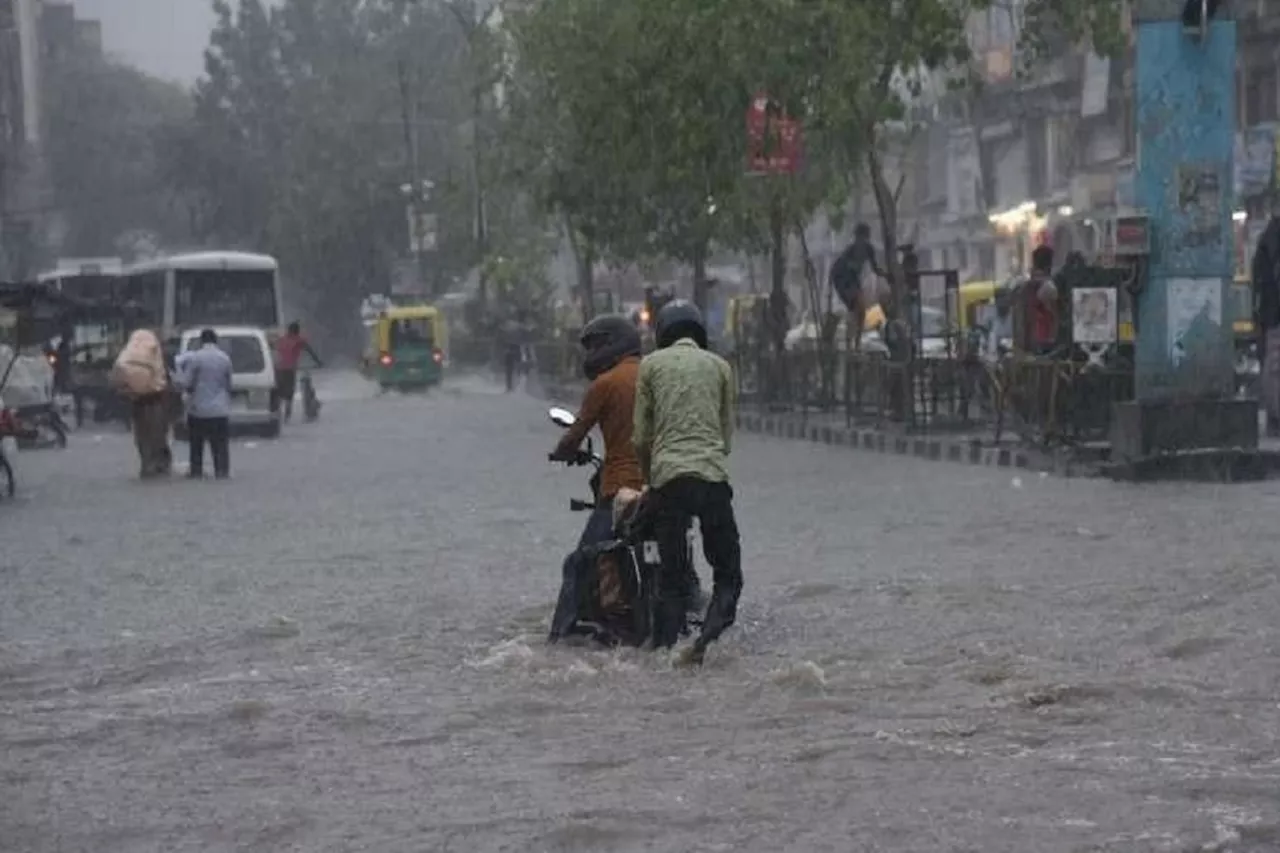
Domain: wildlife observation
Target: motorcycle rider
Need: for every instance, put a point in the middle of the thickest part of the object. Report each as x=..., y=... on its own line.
x=611, y=361
x=682, y=432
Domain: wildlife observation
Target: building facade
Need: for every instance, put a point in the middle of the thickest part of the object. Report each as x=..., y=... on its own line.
x=1050, y=158
x=33, y=34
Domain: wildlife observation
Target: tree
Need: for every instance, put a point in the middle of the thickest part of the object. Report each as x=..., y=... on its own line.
x=642, y=104
x=885, y=55
x=106, y=129
x=636, y=140
x=559, y=142
x=305, y=135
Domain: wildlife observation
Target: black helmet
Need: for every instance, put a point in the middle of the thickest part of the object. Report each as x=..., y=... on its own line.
x=608, y=339
x=679, y=319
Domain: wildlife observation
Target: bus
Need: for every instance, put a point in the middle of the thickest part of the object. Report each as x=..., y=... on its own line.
x=87, y=279
x=205, y=289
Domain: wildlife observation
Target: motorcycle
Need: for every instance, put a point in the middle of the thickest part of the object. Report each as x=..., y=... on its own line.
x=8, y=430
x=40, y=425
x=609, y=588
x=310, y=402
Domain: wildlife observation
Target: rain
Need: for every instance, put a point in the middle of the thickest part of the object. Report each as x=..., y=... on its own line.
x=639, y=425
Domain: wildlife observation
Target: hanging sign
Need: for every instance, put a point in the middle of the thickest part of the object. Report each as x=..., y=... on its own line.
x=774, y=140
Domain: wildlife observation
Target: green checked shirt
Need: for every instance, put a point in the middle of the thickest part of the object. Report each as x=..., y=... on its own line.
x=684, y=414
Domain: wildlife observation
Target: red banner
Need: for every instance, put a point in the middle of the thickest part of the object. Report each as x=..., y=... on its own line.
x=774, y=140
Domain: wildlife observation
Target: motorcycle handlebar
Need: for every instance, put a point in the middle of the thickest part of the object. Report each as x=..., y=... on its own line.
x=582, y=458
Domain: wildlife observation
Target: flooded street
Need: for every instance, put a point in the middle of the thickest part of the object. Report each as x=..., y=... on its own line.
x=341, y=649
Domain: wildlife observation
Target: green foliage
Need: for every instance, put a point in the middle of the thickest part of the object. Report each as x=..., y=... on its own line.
x=629, y=117
x=107, y=126
x=312, y=116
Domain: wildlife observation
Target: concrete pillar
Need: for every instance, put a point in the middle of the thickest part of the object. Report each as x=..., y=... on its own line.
x=1185, y=382
x=1185, y=97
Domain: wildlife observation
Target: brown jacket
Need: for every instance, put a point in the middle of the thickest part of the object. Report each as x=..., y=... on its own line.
x=610, y=402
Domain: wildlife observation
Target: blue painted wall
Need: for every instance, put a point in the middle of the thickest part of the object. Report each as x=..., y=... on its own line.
x=1185, y=98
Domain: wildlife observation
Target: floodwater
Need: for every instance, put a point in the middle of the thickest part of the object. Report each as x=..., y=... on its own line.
x=340, y=650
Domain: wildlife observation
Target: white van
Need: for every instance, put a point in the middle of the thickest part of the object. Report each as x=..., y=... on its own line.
x=253, y=377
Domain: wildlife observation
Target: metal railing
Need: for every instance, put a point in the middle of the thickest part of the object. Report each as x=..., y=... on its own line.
x=1039, y=400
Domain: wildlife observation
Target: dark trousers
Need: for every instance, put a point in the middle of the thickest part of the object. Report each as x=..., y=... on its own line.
x=677, y=503
x=217, y=432
x=599, y=529
x=511, y=361
x=283, y=392
x=151, y=434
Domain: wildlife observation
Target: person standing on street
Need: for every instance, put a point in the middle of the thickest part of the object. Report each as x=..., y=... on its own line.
x=682, y=431
x=1266, y=300
x=142, y=378
x=289, y=351
x=1036, y=320
x=206, y=376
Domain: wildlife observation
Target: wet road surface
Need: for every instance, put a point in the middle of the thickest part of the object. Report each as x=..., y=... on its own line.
x=340, y=650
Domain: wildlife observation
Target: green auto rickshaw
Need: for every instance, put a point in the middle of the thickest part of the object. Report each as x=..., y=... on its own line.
x=407, y=348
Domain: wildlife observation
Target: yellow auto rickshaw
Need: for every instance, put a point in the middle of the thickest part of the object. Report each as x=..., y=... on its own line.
x=407, y=347
x=974, y=296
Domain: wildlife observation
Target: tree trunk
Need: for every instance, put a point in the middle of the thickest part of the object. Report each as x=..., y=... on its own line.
x=777, y=275
x=887, y=205
x=584, y=258
x=477, y=164
x=700, y=277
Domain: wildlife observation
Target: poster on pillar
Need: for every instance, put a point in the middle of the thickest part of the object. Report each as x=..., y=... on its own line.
x=1195, y=320
x=1200, y=201
x=1093, y=315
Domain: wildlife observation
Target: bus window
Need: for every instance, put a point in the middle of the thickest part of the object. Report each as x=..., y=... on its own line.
x=8, y=328
x=225, y=297
x=89, y=288
x=144, y=291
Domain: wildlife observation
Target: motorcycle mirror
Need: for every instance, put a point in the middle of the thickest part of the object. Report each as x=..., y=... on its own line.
x=561, y=417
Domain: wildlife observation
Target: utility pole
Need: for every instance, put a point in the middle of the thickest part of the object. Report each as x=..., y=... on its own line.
x=416, y=189
x=474, y=25
x=9, y=59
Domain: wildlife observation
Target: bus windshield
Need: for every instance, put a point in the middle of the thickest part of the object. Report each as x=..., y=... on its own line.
x=89, y=287
x=225, y=297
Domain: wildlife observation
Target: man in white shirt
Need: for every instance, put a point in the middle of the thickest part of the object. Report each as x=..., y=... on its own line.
x=206, y=376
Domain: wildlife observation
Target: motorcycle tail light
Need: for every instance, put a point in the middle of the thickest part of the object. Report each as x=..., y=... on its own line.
x=437, y=356
x=385, y=360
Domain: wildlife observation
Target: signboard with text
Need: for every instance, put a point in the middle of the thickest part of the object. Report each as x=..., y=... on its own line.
x=774, y=140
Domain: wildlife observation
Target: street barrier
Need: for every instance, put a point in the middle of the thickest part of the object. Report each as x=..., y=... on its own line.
x=1043, y=401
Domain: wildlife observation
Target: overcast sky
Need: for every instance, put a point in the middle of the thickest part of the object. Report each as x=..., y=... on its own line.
x=164, y=37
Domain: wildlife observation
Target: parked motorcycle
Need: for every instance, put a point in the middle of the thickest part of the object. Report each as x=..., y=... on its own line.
x=310, y=402
x=609, y=594
x=40, y=425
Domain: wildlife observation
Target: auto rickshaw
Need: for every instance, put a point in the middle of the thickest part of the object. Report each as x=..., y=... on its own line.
x=973, y=297
x=407, y=347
